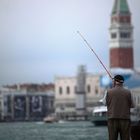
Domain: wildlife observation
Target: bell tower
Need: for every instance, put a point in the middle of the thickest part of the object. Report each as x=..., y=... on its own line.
x=121, y=36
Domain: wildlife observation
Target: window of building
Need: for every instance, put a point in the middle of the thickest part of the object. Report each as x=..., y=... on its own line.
x=88, y=89
x=68, y=90
x=124, y=35
x=96, y=90
x=113, y=35
x=60, y=90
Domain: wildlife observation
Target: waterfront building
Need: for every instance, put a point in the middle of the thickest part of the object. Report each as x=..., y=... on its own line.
x=25, y=105
x=66, y=99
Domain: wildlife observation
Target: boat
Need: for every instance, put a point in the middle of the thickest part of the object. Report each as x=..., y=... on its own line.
x=50, y=119
x=99, y=115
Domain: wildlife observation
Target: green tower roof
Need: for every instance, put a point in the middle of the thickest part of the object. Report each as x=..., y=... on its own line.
x=120, y=7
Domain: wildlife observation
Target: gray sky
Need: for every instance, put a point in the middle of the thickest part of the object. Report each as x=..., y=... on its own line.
x=39, y=40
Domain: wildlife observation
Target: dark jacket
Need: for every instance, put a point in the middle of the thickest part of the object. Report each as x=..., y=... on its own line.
x=119, y=102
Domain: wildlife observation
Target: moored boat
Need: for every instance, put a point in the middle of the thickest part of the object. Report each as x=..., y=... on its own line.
x=99, y=115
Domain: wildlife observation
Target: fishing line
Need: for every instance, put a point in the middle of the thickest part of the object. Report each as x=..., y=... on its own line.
x=89, y=46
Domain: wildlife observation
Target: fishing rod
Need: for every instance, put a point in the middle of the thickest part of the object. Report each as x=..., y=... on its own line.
x=88, y=45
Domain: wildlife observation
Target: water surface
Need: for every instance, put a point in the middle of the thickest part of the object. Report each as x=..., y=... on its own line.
x=54, y=131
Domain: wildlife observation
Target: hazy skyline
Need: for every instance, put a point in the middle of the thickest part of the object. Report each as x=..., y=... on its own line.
x=39, y=40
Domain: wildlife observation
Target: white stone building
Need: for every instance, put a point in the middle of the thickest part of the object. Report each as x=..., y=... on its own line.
x=65, y=93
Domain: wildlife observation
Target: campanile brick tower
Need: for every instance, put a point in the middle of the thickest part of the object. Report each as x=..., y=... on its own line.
x=121, y=36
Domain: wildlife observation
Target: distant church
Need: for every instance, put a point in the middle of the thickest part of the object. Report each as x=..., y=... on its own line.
x=121, y=36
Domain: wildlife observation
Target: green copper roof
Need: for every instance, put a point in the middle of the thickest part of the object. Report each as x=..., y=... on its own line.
x=120, y=7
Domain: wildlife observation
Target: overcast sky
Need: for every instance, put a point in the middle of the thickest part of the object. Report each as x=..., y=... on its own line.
x=39, y=40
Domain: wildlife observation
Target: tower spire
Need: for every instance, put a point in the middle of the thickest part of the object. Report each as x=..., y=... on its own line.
x=120, y=7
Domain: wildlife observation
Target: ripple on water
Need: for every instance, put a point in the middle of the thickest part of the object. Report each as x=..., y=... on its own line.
x=56, y=131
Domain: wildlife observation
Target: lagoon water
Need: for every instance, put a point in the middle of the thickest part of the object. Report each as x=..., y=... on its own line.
x=54, y=131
